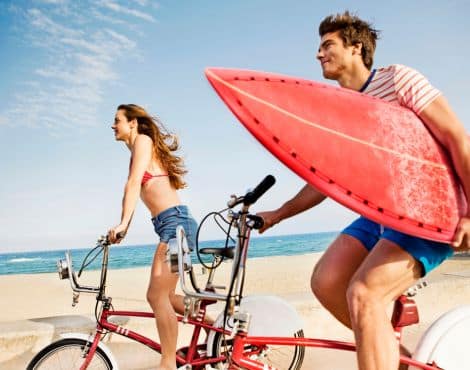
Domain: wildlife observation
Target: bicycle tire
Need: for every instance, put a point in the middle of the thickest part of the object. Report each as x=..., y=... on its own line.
x=68, y=354
x=281, y=357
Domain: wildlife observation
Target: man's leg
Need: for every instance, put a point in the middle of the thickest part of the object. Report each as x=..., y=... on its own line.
x=332, y=274
x=386, y=272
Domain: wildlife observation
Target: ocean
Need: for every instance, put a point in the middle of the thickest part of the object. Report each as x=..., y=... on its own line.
x=122, y=257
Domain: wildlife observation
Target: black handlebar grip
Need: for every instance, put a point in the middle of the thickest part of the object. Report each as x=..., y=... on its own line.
x=252, y=196
x=121, y=235
x=257, y=221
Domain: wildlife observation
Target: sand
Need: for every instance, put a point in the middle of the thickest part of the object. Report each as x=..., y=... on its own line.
x=37, y=298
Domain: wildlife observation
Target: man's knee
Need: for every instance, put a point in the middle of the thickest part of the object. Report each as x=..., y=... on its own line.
x=324, y=285
x=360, y=297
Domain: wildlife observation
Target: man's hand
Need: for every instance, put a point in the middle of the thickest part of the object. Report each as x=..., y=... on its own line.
x=461, y=242
x=270, y=219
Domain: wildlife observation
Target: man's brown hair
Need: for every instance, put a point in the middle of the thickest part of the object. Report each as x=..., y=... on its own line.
x=352, y=31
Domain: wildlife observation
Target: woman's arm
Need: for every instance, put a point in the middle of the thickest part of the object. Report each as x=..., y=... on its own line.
x=142, y=152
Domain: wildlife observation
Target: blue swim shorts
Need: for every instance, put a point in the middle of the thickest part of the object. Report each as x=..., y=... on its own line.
x=428, y=253
x=165, y=224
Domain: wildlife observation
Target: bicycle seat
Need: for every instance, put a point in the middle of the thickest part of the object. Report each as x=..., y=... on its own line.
x=222, y=252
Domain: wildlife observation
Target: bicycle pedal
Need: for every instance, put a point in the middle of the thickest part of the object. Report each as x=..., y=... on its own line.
x=186, y=367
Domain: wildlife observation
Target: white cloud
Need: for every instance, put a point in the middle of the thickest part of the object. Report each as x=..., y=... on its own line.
x=55, y=2
x=78, y=65
x=123, y=40
x=141, y=2
x=121, y=9
x=44, y=23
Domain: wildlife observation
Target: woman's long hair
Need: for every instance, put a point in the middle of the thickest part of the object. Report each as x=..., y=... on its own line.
x=164, y=143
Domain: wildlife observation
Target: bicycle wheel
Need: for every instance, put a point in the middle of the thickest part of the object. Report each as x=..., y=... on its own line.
x=68, y=354
x=281, y=357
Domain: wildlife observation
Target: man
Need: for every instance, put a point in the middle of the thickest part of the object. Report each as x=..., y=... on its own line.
x=368, y=266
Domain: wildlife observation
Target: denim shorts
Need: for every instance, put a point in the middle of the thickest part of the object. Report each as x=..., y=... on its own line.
x=428, y=253
x=165, y=224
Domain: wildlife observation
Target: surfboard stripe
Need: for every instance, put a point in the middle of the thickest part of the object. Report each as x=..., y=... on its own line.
x=326, y=129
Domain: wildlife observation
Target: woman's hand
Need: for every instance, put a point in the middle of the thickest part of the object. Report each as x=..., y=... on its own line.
x=117, y=233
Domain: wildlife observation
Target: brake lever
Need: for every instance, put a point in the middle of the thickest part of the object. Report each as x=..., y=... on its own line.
x=234, y=200
x=75, y=297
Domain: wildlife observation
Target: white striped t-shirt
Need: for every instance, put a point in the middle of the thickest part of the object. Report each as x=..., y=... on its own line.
x=402, y=85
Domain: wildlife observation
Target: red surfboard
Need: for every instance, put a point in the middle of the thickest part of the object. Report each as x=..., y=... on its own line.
x=373, y=157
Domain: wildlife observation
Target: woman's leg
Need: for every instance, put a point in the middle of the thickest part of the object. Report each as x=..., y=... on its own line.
x=161, y=288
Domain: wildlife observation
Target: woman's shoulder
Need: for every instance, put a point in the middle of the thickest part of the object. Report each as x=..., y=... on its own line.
x=143, y=140
x=142, y=146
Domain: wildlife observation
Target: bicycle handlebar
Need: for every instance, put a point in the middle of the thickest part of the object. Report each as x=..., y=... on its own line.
x=252, y=196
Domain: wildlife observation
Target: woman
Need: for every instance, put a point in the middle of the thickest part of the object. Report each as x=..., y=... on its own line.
x=156, y=173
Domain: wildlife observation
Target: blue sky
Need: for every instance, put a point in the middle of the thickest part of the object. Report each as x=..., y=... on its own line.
x=66, y=65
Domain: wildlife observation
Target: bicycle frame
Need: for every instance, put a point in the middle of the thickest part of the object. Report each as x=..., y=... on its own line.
x=192, y=351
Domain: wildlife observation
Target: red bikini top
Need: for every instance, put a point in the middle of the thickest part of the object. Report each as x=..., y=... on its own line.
x=147, y=176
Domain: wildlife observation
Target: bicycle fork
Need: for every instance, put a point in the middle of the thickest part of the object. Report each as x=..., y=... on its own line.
x=88, y=351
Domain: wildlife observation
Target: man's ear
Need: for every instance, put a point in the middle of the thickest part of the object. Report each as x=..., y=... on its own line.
x=357, y=48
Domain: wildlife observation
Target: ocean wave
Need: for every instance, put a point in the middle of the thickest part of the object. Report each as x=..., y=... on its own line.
x=20, y=260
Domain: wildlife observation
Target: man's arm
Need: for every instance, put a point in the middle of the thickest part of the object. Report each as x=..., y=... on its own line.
x=306, y=198
x=449, y=131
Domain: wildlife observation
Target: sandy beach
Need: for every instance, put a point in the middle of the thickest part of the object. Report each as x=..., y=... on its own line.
x=42, y=298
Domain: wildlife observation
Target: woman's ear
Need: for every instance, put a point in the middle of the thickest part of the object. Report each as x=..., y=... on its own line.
x=133, y=122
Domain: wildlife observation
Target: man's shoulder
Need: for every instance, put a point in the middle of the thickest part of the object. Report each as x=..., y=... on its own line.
x=394, y=68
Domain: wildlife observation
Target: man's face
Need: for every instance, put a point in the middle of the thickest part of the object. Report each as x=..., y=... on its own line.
x=334, y=56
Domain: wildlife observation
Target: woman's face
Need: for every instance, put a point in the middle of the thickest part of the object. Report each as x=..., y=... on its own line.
x=122, y=127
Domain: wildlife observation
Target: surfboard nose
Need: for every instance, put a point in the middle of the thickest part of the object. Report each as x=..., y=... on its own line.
x=219, y=79
x=213, y=73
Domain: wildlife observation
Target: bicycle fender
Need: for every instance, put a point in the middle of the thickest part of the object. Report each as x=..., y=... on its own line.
x=445, y=342
x=270, y=316
x=101, y=345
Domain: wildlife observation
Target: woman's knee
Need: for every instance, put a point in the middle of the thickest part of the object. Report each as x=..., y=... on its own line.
x=156, y=296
